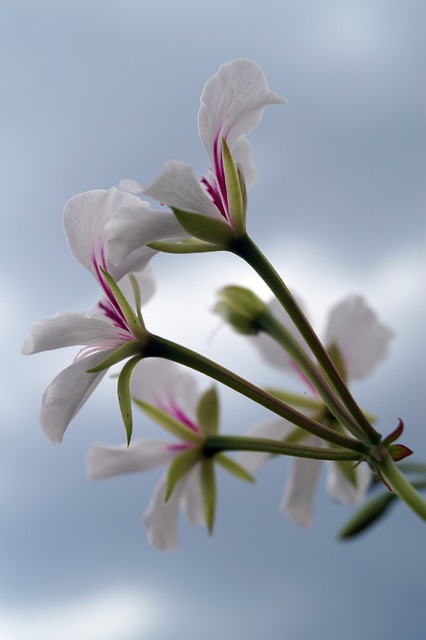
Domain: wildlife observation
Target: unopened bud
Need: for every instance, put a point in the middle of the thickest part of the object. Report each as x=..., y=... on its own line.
x=241, y=308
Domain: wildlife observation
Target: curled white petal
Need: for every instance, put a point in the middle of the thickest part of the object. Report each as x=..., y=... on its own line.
x=133, y=228
x=232, y=103
x=68, y=328
x=299, y=495
x=362, y=339
x=104, y=461
x=85, y=219
x=67, y=393
x=177, y=186
x=339, y=487
x=131, y=186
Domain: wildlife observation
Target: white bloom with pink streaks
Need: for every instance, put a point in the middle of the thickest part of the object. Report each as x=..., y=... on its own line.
x=103, y=329
x=362, y=342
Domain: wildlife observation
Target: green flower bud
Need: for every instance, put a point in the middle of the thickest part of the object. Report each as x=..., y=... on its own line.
x=241, y=308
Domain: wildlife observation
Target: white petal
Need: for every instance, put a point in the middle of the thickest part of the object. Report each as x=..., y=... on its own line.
x=178, y=187
x=232, y=102
x=160, y=518
x=67, y=329
x=131, y=186
x=362, y=339
x=191, y=500
x=339, y=487
x=242, y=157
x=67, y=393
x=104, y=461
x=85, y=219
x=160, y=381
x=299, y=495
x=133, y=228
x=274, y=430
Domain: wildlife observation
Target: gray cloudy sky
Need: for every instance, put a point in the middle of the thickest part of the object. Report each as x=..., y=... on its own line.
x=95, y=91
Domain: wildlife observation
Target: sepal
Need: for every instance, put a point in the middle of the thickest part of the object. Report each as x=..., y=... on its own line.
x=208, y=412
x=168, y=423
x=136, y=327
x=233, y=191
x=208, y=491
x=124, y=351
x=233, y=467
x=367, y=515
x=124, y=395
x=186, y=246
x=395, y=433
x=399, y=452
x=180, y=467
x=205, y=228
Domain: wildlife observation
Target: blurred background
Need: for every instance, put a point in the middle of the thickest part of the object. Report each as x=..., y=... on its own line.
x=96, y=91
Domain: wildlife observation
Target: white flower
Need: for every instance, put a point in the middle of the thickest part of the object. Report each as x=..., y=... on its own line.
x=165, y=386
x=361, y=341
x=100, y=331
x=232, y=103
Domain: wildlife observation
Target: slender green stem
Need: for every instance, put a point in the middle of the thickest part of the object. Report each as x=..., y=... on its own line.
x=162, y=348
x=297, y=400
x=216, y=444
x=246, y=249
x=270, y=325
x=401, y=486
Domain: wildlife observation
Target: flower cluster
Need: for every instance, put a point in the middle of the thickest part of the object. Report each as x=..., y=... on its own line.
x=114, y=234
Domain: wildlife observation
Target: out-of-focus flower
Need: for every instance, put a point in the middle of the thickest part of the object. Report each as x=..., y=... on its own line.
x=170, y=397
x=104, y=329
x=357, y=342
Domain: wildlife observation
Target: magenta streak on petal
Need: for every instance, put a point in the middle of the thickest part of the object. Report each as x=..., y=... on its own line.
x=182, y=417
x=109, y=306
x=213, y=191
x=172, y=408
x=179, y=447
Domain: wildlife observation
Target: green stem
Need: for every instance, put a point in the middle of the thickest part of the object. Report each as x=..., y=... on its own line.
x=162, y=348
x=270, y=325
x=246, y=249
x=401, y=486
x=216, y=444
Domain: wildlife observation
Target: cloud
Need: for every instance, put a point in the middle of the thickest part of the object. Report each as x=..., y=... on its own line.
x=107, y=615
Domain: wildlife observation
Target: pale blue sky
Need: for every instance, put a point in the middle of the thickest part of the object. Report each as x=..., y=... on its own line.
x=96, y=91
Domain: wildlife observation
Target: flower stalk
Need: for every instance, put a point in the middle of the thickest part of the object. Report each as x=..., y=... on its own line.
x=216, y=444
x=399, y=484
x=283, y=337
x=163, y=348
x=246, y=249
